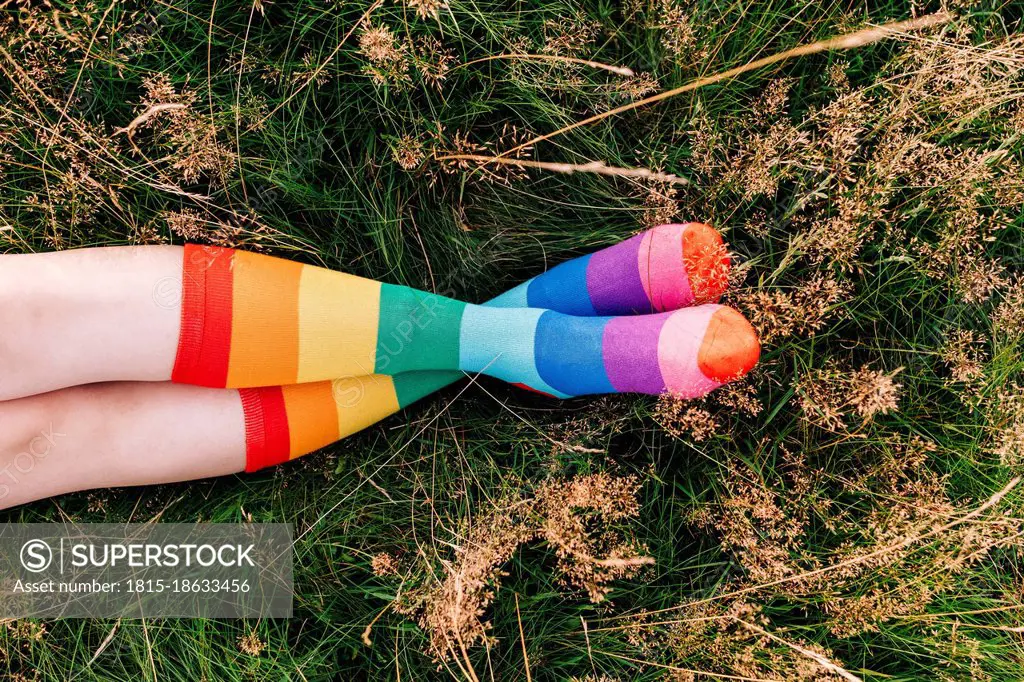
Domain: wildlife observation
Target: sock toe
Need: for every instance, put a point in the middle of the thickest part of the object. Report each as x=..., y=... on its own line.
x=707, y=262
x=683, y=264
x=730, y=347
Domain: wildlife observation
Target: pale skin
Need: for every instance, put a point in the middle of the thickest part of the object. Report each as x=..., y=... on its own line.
x=79, y=317
x=87, y=346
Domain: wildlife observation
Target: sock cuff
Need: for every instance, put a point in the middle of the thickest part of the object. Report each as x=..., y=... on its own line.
x=204, y=341
x=267, y=436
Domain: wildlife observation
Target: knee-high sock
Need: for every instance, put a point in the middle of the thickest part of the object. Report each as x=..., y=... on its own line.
x=251, y=320
x=674, y=265
x=266, y=321
x=665, y=268
x=687, y=352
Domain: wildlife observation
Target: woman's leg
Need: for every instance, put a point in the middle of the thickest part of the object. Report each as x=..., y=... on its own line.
x=138, y=433
x=240, y=327
x=78, y=317
x=117, y=434
x=249, y=320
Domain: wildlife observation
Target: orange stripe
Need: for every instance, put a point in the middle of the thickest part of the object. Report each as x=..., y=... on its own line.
x=707, y=262
x=265, y=324
x=312, y=416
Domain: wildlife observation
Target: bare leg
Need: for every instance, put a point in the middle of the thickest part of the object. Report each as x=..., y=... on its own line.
x=117, y=434
x=252, y=321
x=78, y=317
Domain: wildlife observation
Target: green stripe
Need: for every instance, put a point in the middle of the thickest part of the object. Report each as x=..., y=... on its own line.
x=417, y=331
x=412, y=386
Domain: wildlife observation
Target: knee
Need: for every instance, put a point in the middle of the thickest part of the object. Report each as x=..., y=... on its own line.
x=32, y=429
x=31, y=443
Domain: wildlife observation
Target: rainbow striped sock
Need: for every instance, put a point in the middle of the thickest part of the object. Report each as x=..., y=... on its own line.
x=252, y=320
x=687, y=352
x=265, y=321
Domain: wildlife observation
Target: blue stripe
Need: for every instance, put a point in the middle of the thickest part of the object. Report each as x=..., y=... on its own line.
x=563, y=288
x=569, y=353
x=513, y=298
x=499, y=343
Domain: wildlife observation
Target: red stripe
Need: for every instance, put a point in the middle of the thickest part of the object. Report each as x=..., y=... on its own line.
x=266, y=427
x=204, y=346
x=531, y=388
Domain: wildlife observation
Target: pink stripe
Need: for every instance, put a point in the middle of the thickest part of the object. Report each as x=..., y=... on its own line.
x=630, y=351
x=678, y=346
x=662, y=270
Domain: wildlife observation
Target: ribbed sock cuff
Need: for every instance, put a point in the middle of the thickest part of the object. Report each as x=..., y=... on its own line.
x=267, y=436
x=204, y=342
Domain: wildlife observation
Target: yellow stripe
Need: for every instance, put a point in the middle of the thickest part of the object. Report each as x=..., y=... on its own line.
x=264, y=321
x=362, y=401
x=338, y=320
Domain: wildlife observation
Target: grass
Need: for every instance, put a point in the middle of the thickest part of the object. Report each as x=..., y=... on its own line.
x=903, y=197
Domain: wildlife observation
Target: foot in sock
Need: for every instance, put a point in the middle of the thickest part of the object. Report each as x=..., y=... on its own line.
x=251, y=320
x=665, y=268
x=687, y=352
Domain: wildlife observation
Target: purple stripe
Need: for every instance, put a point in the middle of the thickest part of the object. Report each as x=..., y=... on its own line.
x=613, y=279
x=630, y=350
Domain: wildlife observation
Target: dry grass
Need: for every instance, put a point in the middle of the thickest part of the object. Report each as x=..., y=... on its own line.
x=576, y=518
